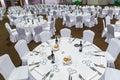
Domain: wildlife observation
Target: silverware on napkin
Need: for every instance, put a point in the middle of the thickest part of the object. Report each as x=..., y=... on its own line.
x=34, y=67
x=95, y=70
x=34, y=63
x=81, y=77
x=99, y=65
x=46, y=75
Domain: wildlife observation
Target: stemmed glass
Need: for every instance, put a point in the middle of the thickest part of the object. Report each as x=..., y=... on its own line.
x=71, y=71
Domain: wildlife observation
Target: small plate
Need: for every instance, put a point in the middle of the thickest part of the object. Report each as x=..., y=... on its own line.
x=76, y=45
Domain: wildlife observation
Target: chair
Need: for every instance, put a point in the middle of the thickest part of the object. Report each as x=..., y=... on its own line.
x=110, y=13
x=111, y=33
x=79, y=22
x=45, y=35
x=24, y=34
x=107, y=20
x=50, y=27
x=13, y=33
x=69, y=22
x=10, y=72
x=40, y=18
x=65, y=32
x=55, y=15
x=112, y=74
x=101, y=14
x=36, y=31
x=112, y=52
x=23, y=50
x=90, y=22
x=88, y=35
x=104, y=29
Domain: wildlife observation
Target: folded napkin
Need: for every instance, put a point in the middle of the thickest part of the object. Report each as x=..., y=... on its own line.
x=92, y=76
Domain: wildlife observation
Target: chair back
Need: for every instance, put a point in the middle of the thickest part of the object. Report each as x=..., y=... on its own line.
x=8, y=28
x=21, y=48
x=38, y=30
x=6, y=66
x=45, y=35
x=107, y=20
x=79, y=19
x=88, y=35
x=65, y=32
x=21, y=31
x=110, y=31
x=67, y=18
x=103, y=24
x=114, y=47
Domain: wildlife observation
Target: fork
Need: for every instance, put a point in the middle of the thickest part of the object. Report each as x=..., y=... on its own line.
x=80, y=76
x=51, y=75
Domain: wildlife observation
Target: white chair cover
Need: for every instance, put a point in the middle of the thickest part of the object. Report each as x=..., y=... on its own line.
x=10, y=72
x=69, y=22
x=45, y=35
x=112, y=74
x=24, y=34
x=13, y=33
x=107, y=20
x=65, y=32
x=23, y=50
x=79, y=22
x=50, y=27
x=90, y=22
x=88, y=35
x=37, y=30
x=112, y=52
x=104, y=29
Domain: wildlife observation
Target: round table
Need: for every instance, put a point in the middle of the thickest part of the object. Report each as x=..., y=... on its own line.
x=90, y=63
x=31, y=24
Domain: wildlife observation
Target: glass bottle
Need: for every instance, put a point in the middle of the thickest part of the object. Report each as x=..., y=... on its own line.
x=80, y=46
x=53, y=57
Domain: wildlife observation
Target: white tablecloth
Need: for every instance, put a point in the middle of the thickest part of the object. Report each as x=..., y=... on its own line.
x=28, y=26
x=80, y=60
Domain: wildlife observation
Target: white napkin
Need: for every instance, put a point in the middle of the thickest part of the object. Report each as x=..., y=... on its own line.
x=92, y=76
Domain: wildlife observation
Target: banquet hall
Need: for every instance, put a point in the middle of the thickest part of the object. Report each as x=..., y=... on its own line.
x=59, y=39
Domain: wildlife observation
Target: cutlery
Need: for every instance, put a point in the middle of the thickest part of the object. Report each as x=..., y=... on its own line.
x=38, y=72
x=51, y=75
x=81, y=77
x=48, y=43
x=98, y=55
x=46, y=75
x=95, y=70
x=99, y=65
x=73, y=40
x=34, y=67
x=87, y=45
x=69, y=77
x=97, y=51
x=34, y=63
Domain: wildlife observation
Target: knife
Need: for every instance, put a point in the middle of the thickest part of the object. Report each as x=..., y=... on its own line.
x=73, y=40
x=99, y=65
x=46, y=75
x=95, y=70
x=98, y=55
x=80, y=76
x=34, y=63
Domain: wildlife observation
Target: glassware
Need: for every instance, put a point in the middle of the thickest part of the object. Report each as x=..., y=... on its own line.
x=71, y=71
x=80, y=46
